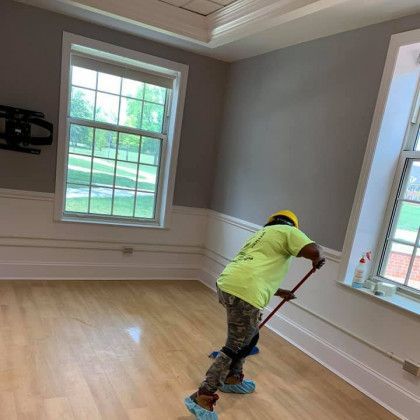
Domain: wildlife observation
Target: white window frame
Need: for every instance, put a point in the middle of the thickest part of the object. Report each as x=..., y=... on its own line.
x=364, y=233
x=177, y=72
x=398, y=185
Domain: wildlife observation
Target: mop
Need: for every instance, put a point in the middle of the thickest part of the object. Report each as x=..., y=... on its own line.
x=255, y=349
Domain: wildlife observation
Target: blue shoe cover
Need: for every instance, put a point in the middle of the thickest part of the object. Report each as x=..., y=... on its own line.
x=247, y=386
x=199, y=412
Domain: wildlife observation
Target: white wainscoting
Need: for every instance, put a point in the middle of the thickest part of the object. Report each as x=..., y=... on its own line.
x=348, y=333
x=351, y=335
x=34, y=246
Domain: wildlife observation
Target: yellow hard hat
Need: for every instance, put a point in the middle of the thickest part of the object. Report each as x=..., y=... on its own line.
x=286, y=213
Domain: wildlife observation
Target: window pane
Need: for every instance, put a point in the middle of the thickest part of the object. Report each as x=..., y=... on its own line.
x=83, y=77
x=109, y=172
x=145, y=205
x=414, y=280
x=150, y=151
x=77, y=198
x=126, y=175
x=105, y=143
x=152, y=117
x=132, y=88
x=123, y=203
x=103, y=172
x=107, y=108
x=130, y=113
x=82, y=103
x=407, y=222
x=397, y=262
x=109, y=83
x=81, y=139
x=100, y=200
x=78, y=169
x=155, y=94
x=128, y=147
x=147, y=178
x=412, y=189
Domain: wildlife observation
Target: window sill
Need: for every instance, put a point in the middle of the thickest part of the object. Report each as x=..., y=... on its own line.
x=399, y=300
x=117, y=223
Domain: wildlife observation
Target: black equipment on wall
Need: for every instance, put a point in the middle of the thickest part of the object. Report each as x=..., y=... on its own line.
x=17, y=132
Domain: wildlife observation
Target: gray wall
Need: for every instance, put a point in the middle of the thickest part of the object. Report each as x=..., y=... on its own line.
x=295, y=128
x=30, y=78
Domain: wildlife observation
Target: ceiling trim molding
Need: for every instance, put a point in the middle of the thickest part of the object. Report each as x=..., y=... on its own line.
x=155, y=15
x=239, y=19
x=225, y=33
x=246, y=17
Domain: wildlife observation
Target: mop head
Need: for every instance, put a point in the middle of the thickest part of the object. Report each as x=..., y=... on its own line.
x=255, y=350
x=247, y=386
x=199, y=412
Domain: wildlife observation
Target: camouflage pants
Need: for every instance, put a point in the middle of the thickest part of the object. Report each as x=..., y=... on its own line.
x=242, y=320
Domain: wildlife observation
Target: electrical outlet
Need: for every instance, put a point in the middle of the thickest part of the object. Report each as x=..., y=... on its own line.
x=127, y=250
x=411, y=367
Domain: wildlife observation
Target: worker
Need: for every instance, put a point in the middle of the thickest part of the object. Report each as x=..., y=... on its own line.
x=244, y=288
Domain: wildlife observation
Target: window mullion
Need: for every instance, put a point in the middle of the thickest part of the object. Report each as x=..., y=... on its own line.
x=117, y=144
x=167, y=112
x=113, y=127
x=404, y=163
x=93, y=146
x=405, y=200
x=137, y=177
x=91, y=168
x=413, y=258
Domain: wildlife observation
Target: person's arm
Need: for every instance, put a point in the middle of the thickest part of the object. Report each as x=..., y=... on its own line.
x=314, y=253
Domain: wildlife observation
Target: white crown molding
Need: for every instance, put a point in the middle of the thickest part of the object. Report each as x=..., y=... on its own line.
x=230, y=23
x=239, y=19
x=246, y=17
x=150, y=14
x=218, y=34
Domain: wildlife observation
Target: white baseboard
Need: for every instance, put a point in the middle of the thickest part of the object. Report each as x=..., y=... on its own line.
x=68, y=271
x=373, y=384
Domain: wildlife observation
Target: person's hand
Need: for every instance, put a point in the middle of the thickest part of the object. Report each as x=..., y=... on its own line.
x=285, y=294
x=318, y=263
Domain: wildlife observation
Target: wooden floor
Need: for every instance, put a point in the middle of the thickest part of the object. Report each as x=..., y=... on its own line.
x=134, y=350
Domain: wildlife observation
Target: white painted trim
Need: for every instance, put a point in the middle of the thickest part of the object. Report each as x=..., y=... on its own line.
x=372, y=383
x=236, y=21
x=25, y=195
x=117, y=245
x=331, y=254
x=17, y=270
x=147, y=14
x=247, y=17
x=397, y=41
x=169, y=153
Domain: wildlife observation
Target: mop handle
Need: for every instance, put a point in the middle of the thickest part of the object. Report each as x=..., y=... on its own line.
x=285, y=300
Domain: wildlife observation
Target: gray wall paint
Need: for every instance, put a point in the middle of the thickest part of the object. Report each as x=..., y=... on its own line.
x=30, y=78
x=296, y=124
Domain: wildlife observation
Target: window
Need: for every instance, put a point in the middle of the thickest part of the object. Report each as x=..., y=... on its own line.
x=119, y=134
x=400, y=261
